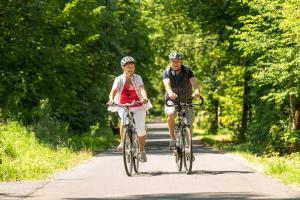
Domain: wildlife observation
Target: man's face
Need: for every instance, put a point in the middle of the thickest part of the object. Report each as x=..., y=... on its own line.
x=176, y=64
x=129, y=68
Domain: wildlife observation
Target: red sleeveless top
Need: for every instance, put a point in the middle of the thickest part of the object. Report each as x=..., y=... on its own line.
x=129, y=95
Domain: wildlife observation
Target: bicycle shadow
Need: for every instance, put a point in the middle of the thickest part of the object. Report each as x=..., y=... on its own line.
x=196, y=172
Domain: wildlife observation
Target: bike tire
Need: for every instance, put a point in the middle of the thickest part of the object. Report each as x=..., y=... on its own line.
x=188, y=150
x=178, y=154
x=127, y=152
x=136, y=149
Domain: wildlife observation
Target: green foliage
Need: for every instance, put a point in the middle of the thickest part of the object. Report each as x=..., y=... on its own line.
x=66, y=53
x=266, y=38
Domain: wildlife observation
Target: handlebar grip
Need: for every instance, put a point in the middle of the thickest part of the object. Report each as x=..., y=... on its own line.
x=202, y=100
x=169, y=105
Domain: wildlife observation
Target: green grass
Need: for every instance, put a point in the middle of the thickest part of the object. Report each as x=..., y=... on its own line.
x=286, y=168
x=26, y=155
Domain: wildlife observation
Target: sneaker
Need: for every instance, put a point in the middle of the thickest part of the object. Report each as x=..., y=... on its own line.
x=193, y=157
x=172, y=144
x=120, y=147
x=142, y=156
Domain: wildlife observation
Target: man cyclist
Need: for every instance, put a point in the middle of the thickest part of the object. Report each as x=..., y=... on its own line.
x=179, y=82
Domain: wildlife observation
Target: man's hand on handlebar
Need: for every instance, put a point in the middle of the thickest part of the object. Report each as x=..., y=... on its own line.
x=172, y=96
x=196, y=94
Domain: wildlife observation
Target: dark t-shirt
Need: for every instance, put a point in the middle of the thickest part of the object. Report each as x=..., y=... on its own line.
x=169, y=72
x=180, y=83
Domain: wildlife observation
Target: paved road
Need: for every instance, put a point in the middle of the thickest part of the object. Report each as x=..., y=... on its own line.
x=216, y=176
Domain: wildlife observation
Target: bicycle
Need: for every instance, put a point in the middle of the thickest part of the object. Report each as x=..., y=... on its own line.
x=131, y=145
x=184, y=142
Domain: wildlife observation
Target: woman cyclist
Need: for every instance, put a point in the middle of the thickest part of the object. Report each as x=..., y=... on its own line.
x=127, y=88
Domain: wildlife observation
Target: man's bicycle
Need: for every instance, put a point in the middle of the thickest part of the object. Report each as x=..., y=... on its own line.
x=131, y=145
x=184, y=142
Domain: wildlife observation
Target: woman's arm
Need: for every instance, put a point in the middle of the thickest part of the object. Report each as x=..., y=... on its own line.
x=112, y=95
x=143, y=93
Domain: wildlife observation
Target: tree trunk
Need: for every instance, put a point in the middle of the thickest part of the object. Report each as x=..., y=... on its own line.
x=214, y=116
x=246, y=106
x=295, y=111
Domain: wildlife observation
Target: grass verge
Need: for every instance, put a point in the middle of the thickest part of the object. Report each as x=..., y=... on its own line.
x=286, y=168
x=27, y=154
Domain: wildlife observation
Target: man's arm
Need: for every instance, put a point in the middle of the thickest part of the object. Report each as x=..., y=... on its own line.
x=168, y=88
x=194, y=82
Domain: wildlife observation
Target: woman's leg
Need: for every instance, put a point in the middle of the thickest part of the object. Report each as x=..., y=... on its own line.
x=140, y=118
x=122, y=115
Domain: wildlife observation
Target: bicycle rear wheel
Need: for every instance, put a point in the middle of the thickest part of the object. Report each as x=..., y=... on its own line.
x=127, y=152
x=188, y=150
x=136, y=149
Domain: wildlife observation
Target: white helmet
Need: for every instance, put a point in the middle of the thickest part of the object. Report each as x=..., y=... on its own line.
x=126, y=60
x=175, y=55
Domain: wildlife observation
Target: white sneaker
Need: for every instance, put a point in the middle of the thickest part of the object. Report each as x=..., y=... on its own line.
x=142, y=156
x=120, y=147
x=172, y=144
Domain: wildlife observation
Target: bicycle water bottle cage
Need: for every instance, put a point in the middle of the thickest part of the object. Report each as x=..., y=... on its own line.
x=127, y=120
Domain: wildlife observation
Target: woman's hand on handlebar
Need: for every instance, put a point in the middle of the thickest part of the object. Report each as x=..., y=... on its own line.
x=145, y=101
x=110, y=103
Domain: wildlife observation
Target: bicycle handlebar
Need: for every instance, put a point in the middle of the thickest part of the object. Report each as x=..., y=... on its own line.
x=187, y=103
x=127, y=104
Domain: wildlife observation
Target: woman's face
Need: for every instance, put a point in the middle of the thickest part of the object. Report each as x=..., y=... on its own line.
x=129, y=69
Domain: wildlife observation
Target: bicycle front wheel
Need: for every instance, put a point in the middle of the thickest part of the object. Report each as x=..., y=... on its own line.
x=136, y=150
x=179, y=153
x=188, y=150
x=127, y=152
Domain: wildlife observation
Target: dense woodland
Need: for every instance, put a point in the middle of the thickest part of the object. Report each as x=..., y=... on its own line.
x=59, y=59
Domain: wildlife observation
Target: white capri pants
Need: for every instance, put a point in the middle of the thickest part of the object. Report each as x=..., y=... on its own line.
x=139, y=115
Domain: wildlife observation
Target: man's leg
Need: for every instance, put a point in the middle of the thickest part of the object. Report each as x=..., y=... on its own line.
x=171, y=125
x=170, y=112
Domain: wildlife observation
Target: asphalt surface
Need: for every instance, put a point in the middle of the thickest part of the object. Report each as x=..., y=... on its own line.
x=215, y=176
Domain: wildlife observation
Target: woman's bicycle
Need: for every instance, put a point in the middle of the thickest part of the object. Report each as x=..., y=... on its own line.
x=184, y=142
x=131, y=145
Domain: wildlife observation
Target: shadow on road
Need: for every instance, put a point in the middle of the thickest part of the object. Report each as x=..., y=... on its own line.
x=196, y=172
x=11, y=196
x=193, y=196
